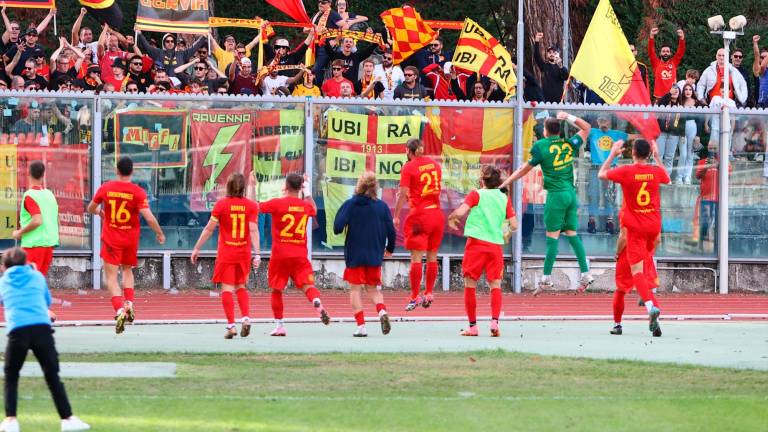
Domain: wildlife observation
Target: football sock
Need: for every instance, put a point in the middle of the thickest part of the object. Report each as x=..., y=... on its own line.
x=128, y=293
x=551, y=254
x=228, y=302
x=117, y=302
x=470, y=304
x=243, y=301
x=578, y=250
x=360, y=318
x=431, y=277
x=415, y=277
x=276, y=301
x=618, y=305
x=495, y=303
x=641, y=284
x=381, y=307
x=649, y=305
x=312, y=293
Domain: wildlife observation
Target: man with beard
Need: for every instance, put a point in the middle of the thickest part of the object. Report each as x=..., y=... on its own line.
x=352, y=60
x=82, y=37
x=665, y=68
x=136, y=73
x=389, y=75
x=553, y=74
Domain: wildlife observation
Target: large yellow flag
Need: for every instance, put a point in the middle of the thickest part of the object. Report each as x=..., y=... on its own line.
x=478, y=51
x=606, y=65
x=604, y=61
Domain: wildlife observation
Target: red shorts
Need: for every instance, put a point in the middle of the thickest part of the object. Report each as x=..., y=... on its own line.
x=231, y=273
x=363, y=275
x=41, y=256
x=424, y=230
x=479, y=258
x=624, y=272
x=640, y=245
x=123, y=255
x=298, y=268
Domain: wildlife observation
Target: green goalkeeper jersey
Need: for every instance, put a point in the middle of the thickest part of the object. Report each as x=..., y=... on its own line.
x=555, y=156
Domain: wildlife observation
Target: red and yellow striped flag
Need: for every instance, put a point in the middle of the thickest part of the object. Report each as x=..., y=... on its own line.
x=477, y=50
x=408, y=31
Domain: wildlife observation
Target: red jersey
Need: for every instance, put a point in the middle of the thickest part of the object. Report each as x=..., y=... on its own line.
x=665, y=72
x=289, y=225
x=332, y=88
x=642, y=197
x=121, y=202
x=422, y=176
x=234, y=216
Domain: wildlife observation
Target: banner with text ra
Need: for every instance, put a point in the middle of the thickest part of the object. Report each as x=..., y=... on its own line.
x=152, y=138
x=181, y=16
x=221, y=146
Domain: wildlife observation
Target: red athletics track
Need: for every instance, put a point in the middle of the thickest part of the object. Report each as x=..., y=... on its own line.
x=200, y=305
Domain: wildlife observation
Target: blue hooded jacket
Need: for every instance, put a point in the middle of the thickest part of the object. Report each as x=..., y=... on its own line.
x=25, y=297
x=369, y=230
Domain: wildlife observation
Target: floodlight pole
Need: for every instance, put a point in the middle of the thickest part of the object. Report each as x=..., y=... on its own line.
x=723, y=181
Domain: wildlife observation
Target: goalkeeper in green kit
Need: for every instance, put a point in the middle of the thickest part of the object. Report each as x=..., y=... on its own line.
x=555, y=155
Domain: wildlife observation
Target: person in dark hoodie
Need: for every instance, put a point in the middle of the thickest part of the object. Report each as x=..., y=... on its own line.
x=25, y=298
x=370, y=237
x=168, y=55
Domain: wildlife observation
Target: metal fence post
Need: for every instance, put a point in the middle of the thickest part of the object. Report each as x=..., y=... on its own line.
x=95, y=183
x=722, y=213
x=309, y=158
x=518, y=153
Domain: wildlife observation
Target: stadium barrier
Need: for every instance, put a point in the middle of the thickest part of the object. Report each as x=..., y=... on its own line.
x=185, y=146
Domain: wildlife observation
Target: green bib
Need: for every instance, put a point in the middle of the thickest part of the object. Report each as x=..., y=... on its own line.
x=47, y=234
x=485, y=220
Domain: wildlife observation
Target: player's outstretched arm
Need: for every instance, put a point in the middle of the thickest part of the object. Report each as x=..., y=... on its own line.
x=254, y=231
x=657, y=156
x=457, y=215
x=307, y=195
x=152, y=222
x=616, y=150
x=205, y=235
x=402, y=197
x=583, y=126
x=519, y=173
x=93, y=208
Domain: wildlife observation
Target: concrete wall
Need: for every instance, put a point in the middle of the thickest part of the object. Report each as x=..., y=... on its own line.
x=75, y=273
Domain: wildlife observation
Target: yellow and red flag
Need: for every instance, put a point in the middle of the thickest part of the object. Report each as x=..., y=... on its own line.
x=409, y=33
x=606, y=65
x=478, y=51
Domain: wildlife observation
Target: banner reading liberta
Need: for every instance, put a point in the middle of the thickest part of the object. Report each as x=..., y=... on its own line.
x=279, y=150
x=174, y=16
x=221, y=145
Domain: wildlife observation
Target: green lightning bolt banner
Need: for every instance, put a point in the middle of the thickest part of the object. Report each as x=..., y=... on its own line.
x=152, y=138
x=222, y=142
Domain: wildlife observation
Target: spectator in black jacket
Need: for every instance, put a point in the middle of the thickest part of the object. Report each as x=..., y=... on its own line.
x=553, y=74
x=351, y=59
x=168, y=56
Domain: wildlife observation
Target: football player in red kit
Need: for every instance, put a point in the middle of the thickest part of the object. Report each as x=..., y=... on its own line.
x=290, y=219
x=237, y=219
x=420, y=181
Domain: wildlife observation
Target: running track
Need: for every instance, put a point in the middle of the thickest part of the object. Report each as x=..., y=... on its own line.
x=203, y=306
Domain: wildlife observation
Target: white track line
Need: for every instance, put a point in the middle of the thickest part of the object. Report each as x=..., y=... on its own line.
x=715, y=317
x=461, y=397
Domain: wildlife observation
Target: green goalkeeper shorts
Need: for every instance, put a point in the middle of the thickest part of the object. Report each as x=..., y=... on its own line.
x=561, y=211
